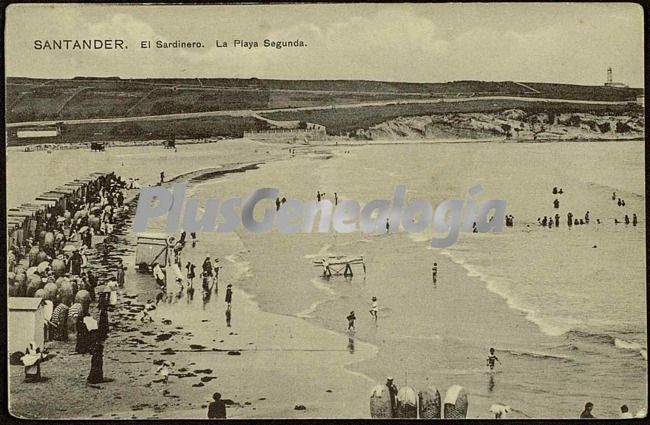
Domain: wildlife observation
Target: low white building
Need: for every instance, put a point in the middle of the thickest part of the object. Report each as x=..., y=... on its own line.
x=26, y=323
x=38, y=133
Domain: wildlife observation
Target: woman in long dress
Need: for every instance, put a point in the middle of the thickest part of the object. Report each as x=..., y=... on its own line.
x=102, y=326
x=96, y=374
x=83, y=335
x=112, y=285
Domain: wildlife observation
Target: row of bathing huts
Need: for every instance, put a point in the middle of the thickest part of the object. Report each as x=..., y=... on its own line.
x=25, y=221
x=29, y=221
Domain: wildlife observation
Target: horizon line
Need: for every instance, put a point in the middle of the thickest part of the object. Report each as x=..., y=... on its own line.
x=295, y=79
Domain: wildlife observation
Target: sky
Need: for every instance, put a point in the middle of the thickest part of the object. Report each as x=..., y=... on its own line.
x=545, y=42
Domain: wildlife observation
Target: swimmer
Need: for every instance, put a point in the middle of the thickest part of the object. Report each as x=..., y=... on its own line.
x=351, y=318
x=491, y=359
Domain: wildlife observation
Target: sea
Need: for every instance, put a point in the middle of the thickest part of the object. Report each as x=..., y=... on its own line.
x=564, y=307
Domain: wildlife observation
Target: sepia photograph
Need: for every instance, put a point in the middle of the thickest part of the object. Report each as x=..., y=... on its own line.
x=325, y=211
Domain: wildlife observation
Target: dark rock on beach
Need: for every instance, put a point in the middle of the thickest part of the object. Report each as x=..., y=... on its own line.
x=163, y=337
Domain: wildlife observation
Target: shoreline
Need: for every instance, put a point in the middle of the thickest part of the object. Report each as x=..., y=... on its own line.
x=263, y=324
x=479, y=403
x=331, y=140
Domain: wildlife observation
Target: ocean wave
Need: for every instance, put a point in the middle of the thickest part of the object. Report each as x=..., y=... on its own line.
x=318, y=283
x=550, y=326
x=242, y=268
x=538, y=355
x=609, y=340
x=427, y=338
x=306, y=313
x=625, y=345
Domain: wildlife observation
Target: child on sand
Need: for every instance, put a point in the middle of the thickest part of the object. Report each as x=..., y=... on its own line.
x=146, y=317
x=163, y=371
x=374, y=309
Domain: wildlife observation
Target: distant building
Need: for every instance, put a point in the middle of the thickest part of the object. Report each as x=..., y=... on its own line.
x=318, y=133
x=640, y=100
x=610, y=80
x=38, y=132
x=309, y=131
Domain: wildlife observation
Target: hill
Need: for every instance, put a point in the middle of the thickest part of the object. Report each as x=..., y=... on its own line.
x=89, y=98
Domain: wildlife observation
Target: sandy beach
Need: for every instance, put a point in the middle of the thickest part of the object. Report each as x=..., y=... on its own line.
x=288, y=329
x=277, y=349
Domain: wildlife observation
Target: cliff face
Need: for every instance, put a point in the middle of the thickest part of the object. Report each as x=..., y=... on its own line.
x=513, y=124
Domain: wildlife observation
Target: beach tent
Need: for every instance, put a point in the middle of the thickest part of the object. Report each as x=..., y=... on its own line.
x=26, y=322
x=151, y=248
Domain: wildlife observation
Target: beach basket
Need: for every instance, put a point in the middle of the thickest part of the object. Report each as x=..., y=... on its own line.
x=429, y=403
x=407, y=405
x=456, y=403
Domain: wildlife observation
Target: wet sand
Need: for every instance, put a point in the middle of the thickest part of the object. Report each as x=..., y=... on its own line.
x=265, y=363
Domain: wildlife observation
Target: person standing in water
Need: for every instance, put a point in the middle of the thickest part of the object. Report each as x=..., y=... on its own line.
x=191, y=272
x=491, y=359
x=228, y=317
x=387, y=225
x=434, y=273
x=206, y=287
x=634, y=220
x=374, y=309
x=216, y=275
x=229, y=296
x=351, y=318
x=336, y=199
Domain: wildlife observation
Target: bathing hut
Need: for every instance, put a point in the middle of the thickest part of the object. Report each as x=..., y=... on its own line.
x=23, y=218
x=26, y=322
x=58, y=198
x=151, y=248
